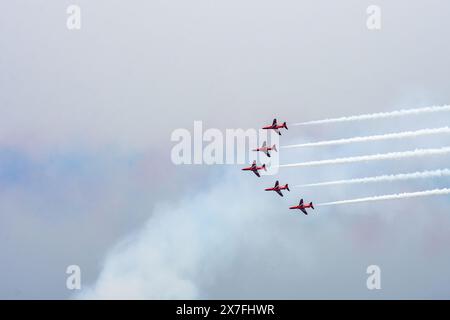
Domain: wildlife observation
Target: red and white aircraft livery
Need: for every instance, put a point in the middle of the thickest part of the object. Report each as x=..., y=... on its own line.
x=275, y=126
x=266, y=149
x=302, y=206
x=255, y=168
x=278, y=189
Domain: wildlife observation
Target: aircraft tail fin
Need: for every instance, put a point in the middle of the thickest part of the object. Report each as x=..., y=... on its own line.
x=274, y=147
x=311, y=204
x=285, y=126
x=287, y=187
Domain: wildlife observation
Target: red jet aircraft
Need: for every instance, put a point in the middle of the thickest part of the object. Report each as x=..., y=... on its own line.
x=266, y=149
x=275, y=126
x=302, y=206
x=278, y=189
x=255, y=168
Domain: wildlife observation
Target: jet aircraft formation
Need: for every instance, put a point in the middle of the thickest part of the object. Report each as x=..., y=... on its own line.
x=266, y=150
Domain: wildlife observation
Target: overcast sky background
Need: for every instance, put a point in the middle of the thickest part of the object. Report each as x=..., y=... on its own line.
x=85, y=170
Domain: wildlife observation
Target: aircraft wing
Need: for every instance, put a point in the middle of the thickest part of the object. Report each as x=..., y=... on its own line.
x=277, y=131
x=256, y=172
x=304, y=211
x=279, y=192
x=267, y=153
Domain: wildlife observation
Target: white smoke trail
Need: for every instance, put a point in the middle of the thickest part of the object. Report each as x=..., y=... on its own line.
x=391, y=197
x=373, y=157
x=384, y=178
x=397, y=135
x=380, y=115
